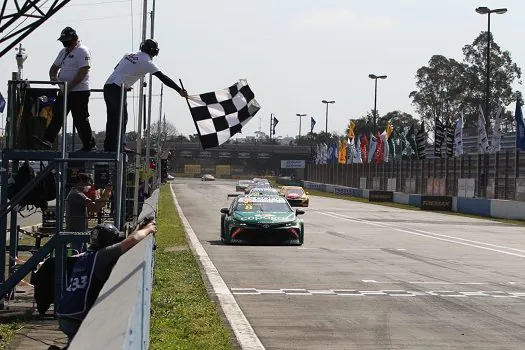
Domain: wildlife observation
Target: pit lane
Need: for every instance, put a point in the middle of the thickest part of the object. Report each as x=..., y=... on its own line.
x=371, y=277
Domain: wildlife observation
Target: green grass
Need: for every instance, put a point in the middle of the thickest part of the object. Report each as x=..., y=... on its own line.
x=184, y=316
x=8, y=331
x=404, y=206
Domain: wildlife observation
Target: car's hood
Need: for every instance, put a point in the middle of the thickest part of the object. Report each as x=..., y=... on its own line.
x=264, y=218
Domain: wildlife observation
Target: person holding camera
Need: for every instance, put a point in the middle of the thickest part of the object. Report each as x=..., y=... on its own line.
x=91, y=271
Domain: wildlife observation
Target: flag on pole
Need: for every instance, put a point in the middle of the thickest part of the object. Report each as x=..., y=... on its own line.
x=449, y=132
x=411, y=140
x=458, y=137
x=341, y=153
x=2, y=103
x=498, y=132
x=275, y=122
x=372, y=148
x=379, y=149
x=350, y=130
x=439, y=136
x=520, y=127
x=221, y=114
x=364, y=149
x=483, y=141
x=385, y=145
x=421, y=141
x=358, y=158
x=312, y=124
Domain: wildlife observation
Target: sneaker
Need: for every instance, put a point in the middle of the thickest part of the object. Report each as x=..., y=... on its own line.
x=42, y=143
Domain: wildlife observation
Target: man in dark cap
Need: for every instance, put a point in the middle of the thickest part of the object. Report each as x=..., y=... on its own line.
x=131, y=68
x=72, y=65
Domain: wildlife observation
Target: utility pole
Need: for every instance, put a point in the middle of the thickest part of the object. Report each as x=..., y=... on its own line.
x=150, y=93
x=138, y=165
x=159, y=135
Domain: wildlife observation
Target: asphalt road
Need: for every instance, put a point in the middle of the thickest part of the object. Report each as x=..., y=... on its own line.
x=372, y=277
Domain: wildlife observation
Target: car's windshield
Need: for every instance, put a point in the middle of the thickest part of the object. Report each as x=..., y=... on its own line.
x=295, y=191
x=255, y=207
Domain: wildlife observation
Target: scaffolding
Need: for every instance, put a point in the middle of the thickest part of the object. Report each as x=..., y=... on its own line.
x=60, y=164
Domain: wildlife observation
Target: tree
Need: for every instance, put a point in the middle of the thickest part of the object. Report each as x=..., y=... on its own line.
x=401, y=121
x=441, y=89
x=446, y=88
x=131, y=136
x=167, y=131
x=503, y=73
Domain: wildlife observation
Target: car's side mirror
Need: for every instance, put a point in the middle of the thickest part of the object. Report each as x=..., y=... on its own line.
x=299, y=212
x=225, y=210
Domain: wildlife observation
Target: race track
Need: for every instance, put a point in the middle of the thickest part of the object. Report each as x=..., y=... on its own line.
x=371, y=277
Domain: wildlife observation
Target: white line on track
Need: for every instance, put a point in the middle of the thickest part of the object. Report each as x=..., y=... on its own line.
x=451, y=239
x=240, y=325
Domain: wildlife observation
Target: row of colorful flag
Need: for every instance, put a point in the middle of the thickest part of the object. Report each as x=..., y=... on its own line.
x=448, y=141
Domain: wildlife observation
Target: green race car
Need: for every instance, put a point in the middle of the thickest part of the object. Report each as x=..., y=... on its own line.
x=261, y=219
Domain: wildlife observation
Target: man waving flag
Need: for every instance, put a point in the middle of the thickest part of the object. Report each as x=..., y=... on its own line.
x=221, y=114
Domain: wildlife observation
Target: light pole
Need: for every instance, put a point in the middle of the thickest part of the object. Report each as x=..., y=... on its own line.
x=486, y=11
x=300, y=119
x=375, y=77
x=326, y=121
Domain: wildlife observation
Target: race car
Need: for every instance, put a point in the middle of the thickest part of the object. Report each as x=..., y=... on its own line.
x=261, y=219
x=242, y=184
x=207, y=177
x=263, y=191
x=295, y=195
x=256, y=185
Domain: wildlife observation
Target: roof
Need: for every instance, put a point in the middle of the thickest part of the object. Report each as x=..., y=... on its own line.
x=261, y=199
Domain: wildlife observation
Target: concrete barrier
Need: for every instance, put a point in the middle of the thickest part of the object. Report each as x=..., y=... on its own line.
x=414, y=200
x=402, y=198
x=507, y=209
x=475, y=206
x=120, y=318
x=504, y=209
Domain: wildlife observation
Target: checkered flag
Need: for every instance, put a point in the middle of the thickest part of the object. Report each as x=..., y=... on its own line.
x=221, y=114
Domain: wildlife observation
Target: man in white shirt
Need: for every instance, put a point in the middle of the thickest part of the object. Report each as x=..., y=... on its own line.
x=131, y=68
x=72, y=65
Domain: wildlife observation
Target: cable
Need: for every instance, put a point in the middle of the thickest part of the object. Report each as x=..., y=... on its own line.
x=132, y=49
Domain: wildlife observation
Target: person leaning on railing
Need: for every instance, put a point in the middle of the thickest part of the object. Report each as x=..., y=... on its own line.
x=91, y=271
x=78, y=206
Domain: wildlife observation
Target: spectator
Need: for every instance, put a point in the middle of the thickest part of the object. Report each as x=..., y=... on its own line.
x=91, y=271
x=78, y=205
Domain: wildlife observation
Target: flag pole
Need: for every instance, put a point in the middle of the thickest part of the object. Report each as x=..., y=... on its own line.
x=194, y=122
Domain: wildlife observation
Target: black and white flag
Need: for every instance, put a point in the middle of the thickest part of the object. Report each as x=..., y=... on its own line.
x=221, y=114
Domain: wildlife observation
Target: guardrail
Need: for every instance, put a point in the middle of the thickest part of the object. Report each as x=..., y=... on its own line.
x=503, y=209
x=120, y=318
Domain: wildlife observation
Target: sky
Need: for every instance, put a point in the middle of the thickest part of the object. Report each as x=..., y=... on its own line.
x=294, y=53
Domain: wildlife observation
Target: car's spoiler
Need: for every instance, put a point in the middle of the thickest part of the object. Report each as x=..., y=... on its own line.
x=233, y=195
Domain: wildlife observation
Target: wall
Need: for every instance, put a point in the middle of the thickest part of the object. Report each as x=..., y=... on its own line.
x=120, y=318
